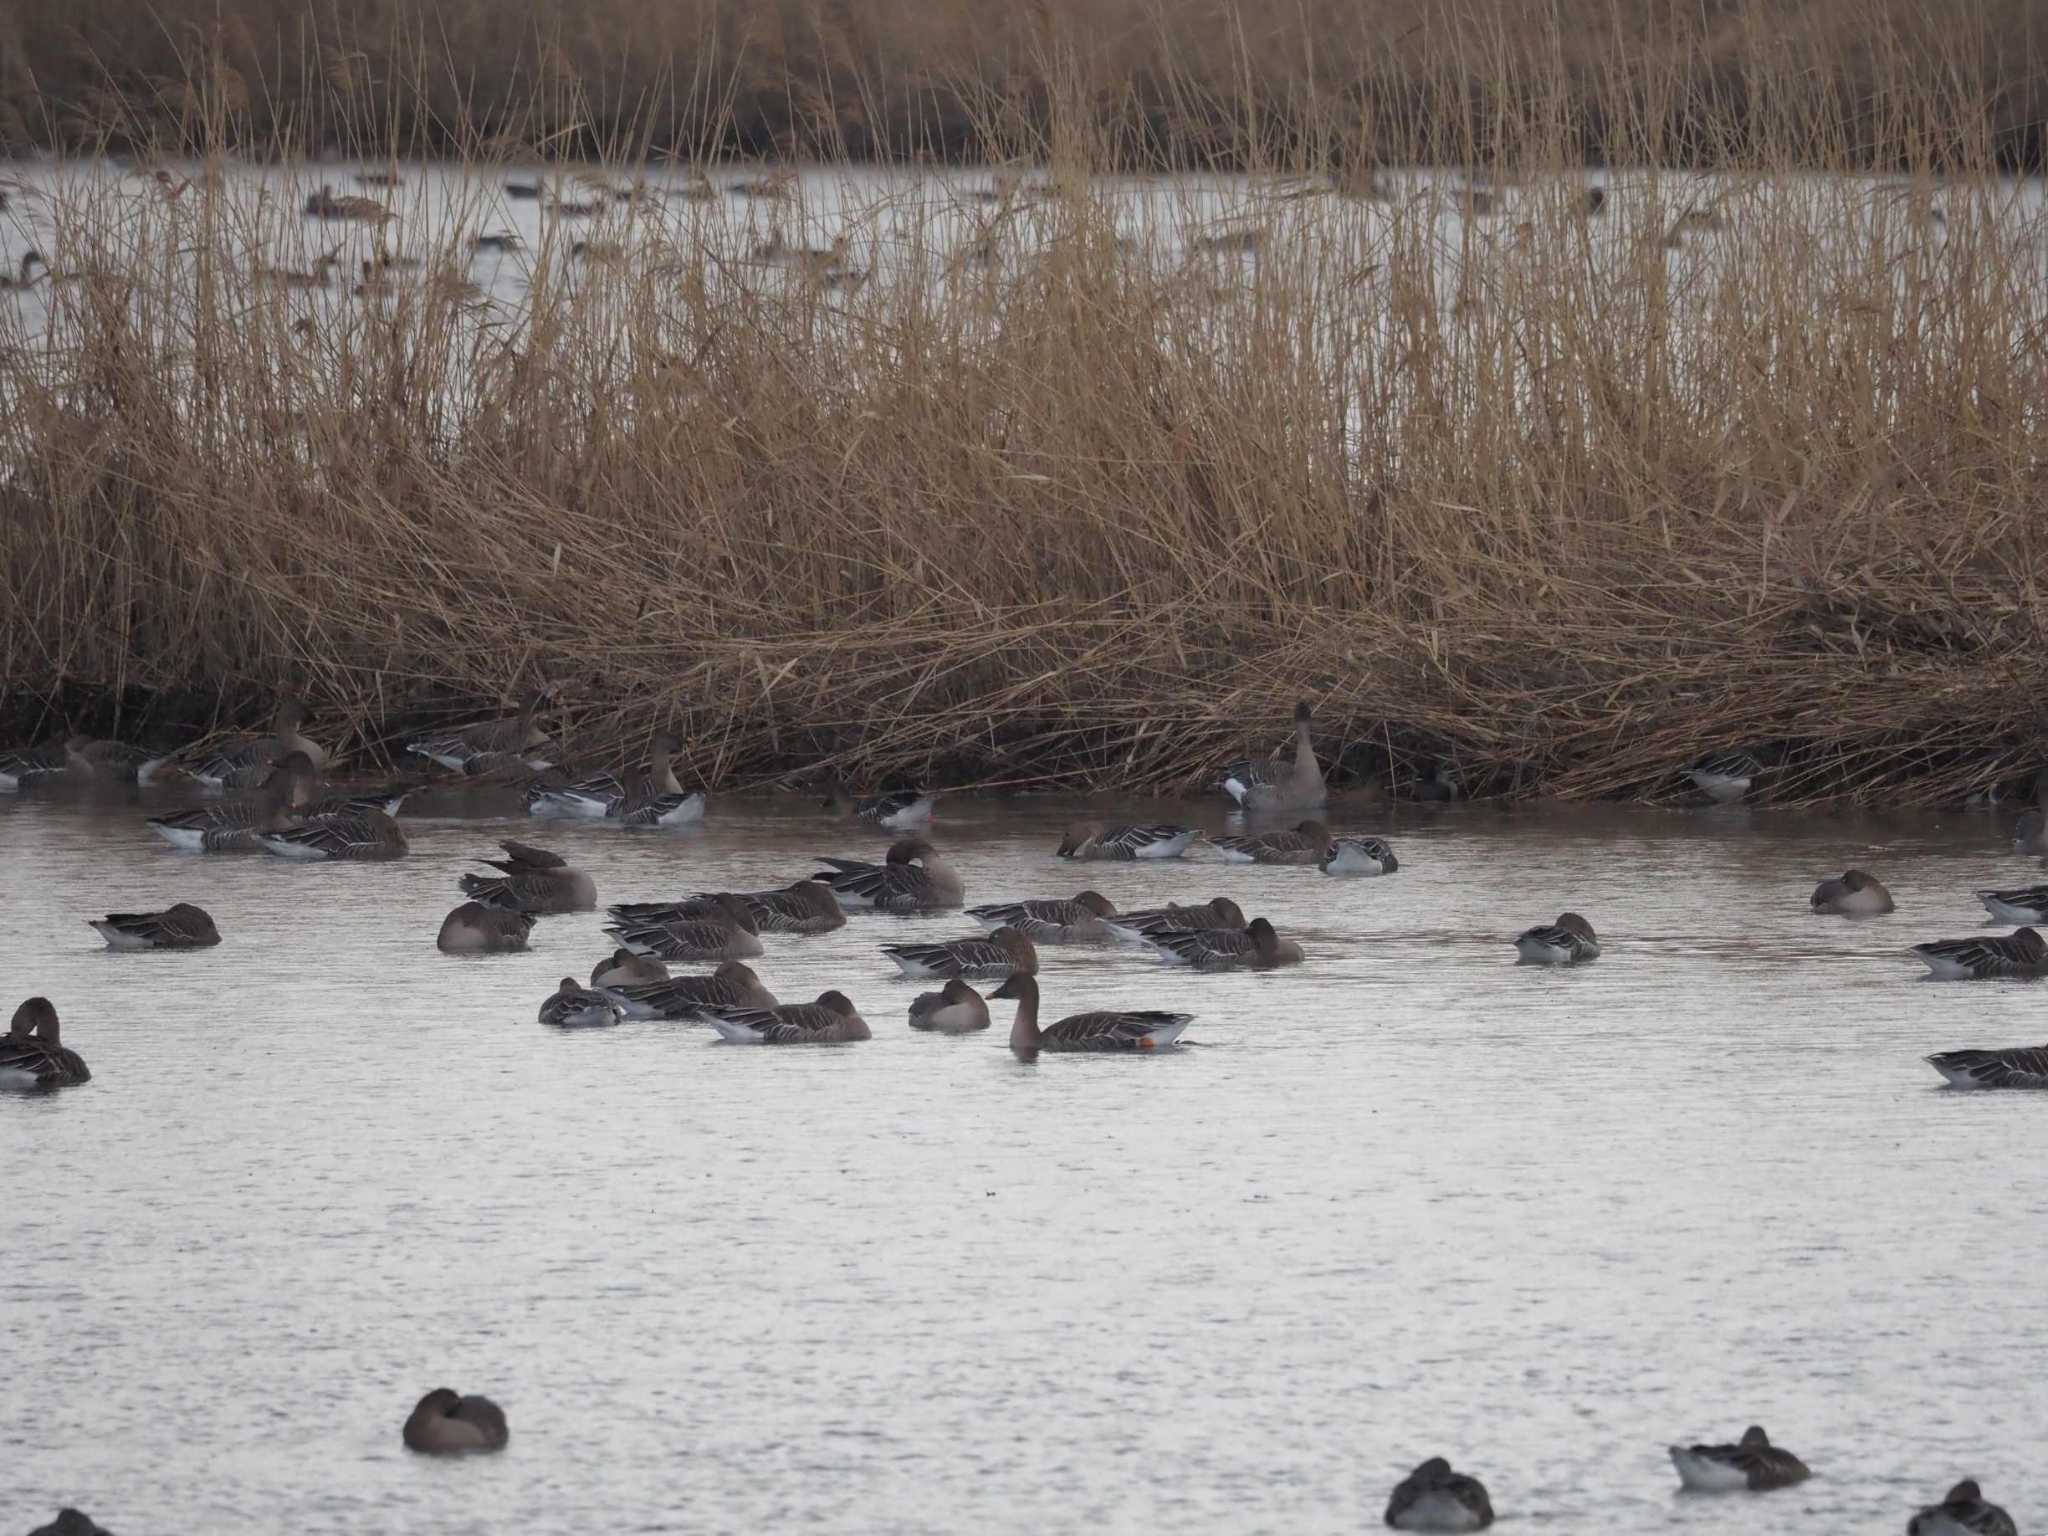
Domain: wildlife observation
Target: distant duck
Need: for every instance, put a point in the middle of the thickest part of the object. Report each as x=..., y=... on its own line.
x=244, y=763
x=1001, y=952
x=1857, y=893
x=626, y=969
x=895, y=809
x=33, y=1057
x=1090, y=840
x=2019, y=1066
x=831, y=1020
x=1724, y=777
x=534, y=880
x=1280, y=784
x=1306, y=844
x=1254, y=948
x=71, y=1522
x=1146, y=1030
x=729, y=934
x=235, y=825
x=1434, y=1498
x=446, y=1424
x=1752, y=1464
x=1081, y=919
x=572, y=1007
x=1567, y=941
x=1136, y=927
x=1962, y=1513
x=360, y=836
x=183, y=926
x=2022, y=953
x=1358, y=856
x=914, y=879
x=474, y=929
x=461, y=748
x=957, y=1010
x=806, y=906
x=2020, y=904
x=733, y=985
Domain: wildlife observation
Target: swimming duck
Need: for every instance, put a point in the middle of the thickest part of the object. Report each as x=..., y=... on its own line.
x=1753, y=1464
x=831, y=1020
x=445, y=1424
x=1256, y=947
x=233, y=825
x=1358, y=856
x=732, y=985
x=1724, y=777
x=806, y=906
x=32, y=1054
x=1136, y=927
x=1141, y=1030
x=896, y=809
x=183, y=926
x=1091, y=840
x=534, y=880
x=1278, y=784
x=72, y=1522
x=461, y=748
x=626, y=969
x=1857, y=893
x=2022, y=904
x=2022, y=953
x=2019, y=1066
x=1565, y=942
x=572, y=1007
x=361, y=836
x=730, y=934
x=1001, y=952
x=1434, y=1498
x=1306, y=844
x=1962, y=1513
x=913, y=879
x=474, y=929
x=1081, y=920
x=957, y=1010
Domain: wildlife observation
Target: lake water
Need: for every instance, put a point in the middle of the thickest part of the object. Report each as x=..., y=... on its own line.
x=1409, y=1199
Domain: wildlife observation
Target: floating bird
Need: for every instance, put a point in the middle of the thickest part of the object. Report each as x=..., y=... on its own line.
x=732, y=985
x=445, y=1424
x=2020, y=1066
x=1306, y=844
x=360, y=836
x=21, y=766
x=913, y=879
x=1753, y=1464
x=2022, y=904
x=1962, y=1513
x=1091, y=840
x=806, y=906
x=1135, y=927
x=324, y=204
x=656, y=799
x=499, y=242
x=71, y=1522
x=32, y=1054
x=1857, y=893
x=831, y=1020
x=626, y=969
x=896, y=809
x=28, y=277
x=1358, y=856
x=1000, y=953
x=1565, y=942
x=234, y=825
x=1083, y=919
x=523, y=191
x=475, y=929
x=1144, y=1030
x=246, y=762
x=534, y=880
x=461, y=748
x=1434, y=1498
x=2022, y=953
x=1437, y=786
x=729, y=935
x=183, y=926
x=1278, y=784
x=1724, y=777
x=1255, y=947
x=956, y=1010
x=572, y=1007
x=2030, y=833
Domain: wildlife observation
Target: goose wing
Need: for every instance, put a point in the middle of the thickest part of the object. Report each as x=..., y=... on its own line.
x=52, y=1066
x=2023, y=1066
x=1116, y=1031
x=789, y=1024
x=683, y=940
x=1204, y=947
x=955, y=957
x=24, y=764
x=1989, y=955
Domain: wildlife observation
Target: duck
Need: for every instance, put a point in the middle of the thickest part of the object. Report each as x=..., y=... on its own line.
x=534, y=880
x=461, y=748
x=831, y=1020
x=572, y=1007
x=245, y=762
x=1567, y=941
x=1358, y=856
x=1254, y=947
x=111, y=762
x=733, y=985
x=1858, y=893
x=2019, y=1066
x=359, y=836
x=896, y=809
x=1277, y=784
x=1107, y=1030
x=1081, y=919
x=72, y=1522
x=1136, y=927
x=913, y=879
x=1752, y=1463
x=729, y=934
x=1434, y=1498
x=33, y=1057
x=443, y=1423
x=1307, y=843
x=1091, y=840
x=20, y=766
x=956, y=1010
x=1962, y=1513
x=998, y=954
x=234, y=825
x=1725, y=777
x=2021, y=904
x=626, y=969
x=805, y=906
x=2022, y=953
x=475, y=929
x=182, y=926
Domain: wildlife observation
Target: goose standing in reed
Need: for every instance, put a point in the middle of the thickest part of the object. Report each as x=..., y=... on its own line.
x=1133, y=1030
x=489, y=740
x=896, y=809
x=358, y=836
x=2019, y=1066
x=474, y=929
x=1081, y=919
x=1434, y=1498
x=1136, y=927
x=2021, y=904
x=1725, y=777
x=243, y=763
x=1307, y=843
x=831, y=1020
x=182, y=926
x=913, y=878
x=2022, y=953
x=1858, y=893
x=732, y=985
x=1352, y=856
x=1256, y=947
x=33, y=1056
x=1090, y=840
x=729, y=934
x=572, y=1007
x=447, y=1424
x=1567, y=941
x=998, y=954
x=1752, y=1464
x=1280, y=784
x=956, y=1010
x=626, y=969
x=1963, y=1513
x=233, y=825
x=806, y=906
x=533, y=880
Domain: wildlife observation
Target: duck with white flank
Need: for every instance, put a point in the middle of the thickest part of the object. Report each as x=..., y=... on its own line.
x=183, y=926
x=1434, y=1498
x=998, y=954
x=957, y=1010
x=365, y=835
x=2021, y=953
x=231, y=825
x=534, y=880
x=732, y=985
x=1567, y=941
x=895, y=809
x=831, y=1020
x=1752, y=1464
x=1858, y=893
x=1358, y=856
x=1280, y=784
x=1254, y=948
x=1091, y=840
x=1137, y=1030
x=912, y=879
x=572, y=1007
x=33, y=1055
x=1081, y=919
x=489, y=742
x=475, y=929
x=1963, y=1513
x=1725, y=777
x=445, y=1423
x=2021, y=904
x=807, y=906
x=1306, y=844
x=728, y=934
x=2018, y=1066
x=1136, y=927
x=625, y=969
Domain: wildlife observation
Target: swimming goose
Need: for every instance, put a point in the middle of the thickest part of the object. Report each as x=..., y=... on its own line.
x=2021, y=904
x=998, y=954
x=655, y=798
x=1565, y=942
x=1358, y=856
x=1306, y=844
x=25, y=765
x=957, y=1010
x=600, y=796
x=2030, y=834
x=461, y=748
x=732, y=985
x=33, y=1057
x=445, y=1424
x=2022, y=953
x=1143, y=1030
x=473, y=929
x=1091, y=840
x=896, y=809
x=729, y=935
x=1962, y=1513
x=243, y=763
x=572, y=1007
x=112, y=762
x=390, y=800
x=1256, y=947
x=807, y=906
x=183, y=926
x=1753, y=1464
x=914, y=879
x=1437, y=786
x=72, y=1522
x=1277, y=784
x=1725, y=776
x=534, y=880
x=1082, y=920
x=29, y=277
x=607, y=796
x=498, y=242
x=324, y=204
x=1136, y=927
x=361, y=836
x=1434, y=1498
x=1857, y=893
x=831, y=1020
x=2019, y=1066
x=626, y=969
x=233, y=825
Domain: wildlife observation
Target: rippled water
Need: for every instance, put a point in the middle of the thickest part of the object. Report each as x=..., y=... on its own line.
x=1408, y=1199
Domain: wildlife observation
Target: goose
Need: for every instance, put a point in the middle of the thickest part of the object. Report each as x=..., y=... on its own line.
x=572, y=1007
x=235, y=825
x=324, y=204
x=2019, y=1066
x=1136, y=927
x=913, y=879
x=957, y=1010
x=445, y=1424
x=25, y=765
x=1091, y=840
x=1255, y=947
x=474, y=929
x=33, y=1057
x=2023, y=953
x=1565, y=942
x=1143, y=1030
x=523, y=191
x=896, y=809
x=1082, y=920
x=499, y=242
x=361, y=836
x=1276, y=784
x=2030, y=834
x=730, y=935
x=732, y=985
x=1724, y=777
x=460, y=748
x=390, y=800
x=656, y=799
x=593, y=799
x=533, y=880
x=72, y=1522
x=830, y=1020
x=998, y=954
x=608, y=796
x=1306, y=844
x=807, y=906
x=112, y=762
x=182, y=926
x=2022, y=904
x=1962, y=1513
x=1437, y=787
x=1858, y=893
x=28, y=277
x=243, y=763
x=626, y=969
x=1358, y=856
x=1434, y=1498
x=1753, y=1463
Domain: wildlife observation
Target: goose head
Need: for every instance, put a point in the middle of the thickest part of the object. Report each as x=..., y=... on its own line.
x=30, y=1017
x=1571, y=922
x=1095, y=902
